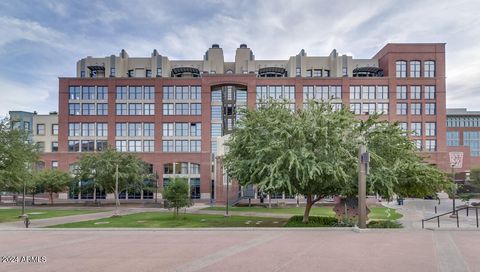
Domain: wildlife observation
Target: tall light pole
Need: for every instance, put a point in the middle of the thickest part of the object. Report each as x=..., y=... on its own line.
x=454, y=213
x=156, y=186
x=24, y=193
x=363, y=159
x=117, y=201
x=226, y=206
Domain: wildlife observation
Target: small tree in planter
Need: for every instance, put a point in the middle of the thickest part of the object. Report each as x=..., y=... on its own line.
x=177, y=193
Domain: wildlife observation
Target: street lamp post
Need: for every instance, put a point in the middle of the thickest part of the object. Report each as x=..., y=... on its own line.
x=24, y=193
x=156, y=186
x=226, y=206
x=362, y=186
x=454, y=213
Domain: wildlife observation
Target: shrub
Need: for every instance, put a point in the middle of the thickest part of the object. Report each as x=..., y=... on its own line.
x=313, y=221
x=346, y=222
x=384, y=224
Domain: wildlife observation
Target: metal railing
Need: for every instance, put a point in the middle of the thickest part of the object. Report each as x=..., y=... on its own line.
x=467, y=208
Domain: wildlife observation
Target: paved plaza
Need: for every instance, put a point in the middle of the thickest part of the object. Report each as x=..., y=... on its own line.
x=242, y=250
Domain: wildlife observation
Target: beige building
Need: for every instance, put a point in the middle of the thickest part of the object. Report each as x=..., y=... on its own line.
x=213, y=62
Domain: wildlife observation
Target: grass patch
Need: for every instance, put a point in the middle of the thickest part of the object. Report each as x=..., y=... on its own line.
x=383, y=213
x=384, y=224
x=313, y=221
x=167, y=220
x=11, y=215
x=326, y=211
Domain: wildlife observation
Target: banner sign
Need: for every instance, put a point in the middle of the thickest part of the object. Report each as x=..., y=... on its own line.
x=456, y=159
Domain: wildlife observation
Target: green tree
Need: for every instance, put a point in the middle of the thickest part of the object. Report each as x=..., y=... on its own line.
x=475, y=176
x=17, y=155
x=314, y=151
x=52, y=181
x=101, y=168
x=177, y=193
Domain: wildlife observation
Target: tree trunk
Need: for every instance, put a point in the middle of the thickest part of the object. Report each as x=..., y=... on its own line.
x=51, y=198
x=269, y=201
x=308, y=206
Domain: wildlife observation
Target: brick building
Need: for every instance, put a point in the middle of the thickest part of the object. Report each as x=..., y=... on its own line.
x=171, y=112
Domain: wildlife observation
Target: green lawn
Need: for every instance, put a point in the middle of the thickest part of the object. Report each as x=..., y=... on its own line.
x=167, y=220
x=383, y=213
x=10, y=215
x=315, y=211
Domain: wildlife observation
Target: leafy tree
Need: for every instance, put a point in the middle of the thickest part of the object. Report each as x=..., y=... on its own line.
x=475, y=176
x=314, y=152
x=17, y=155
x=52, y=181
x=101, y=168
x=177, y=194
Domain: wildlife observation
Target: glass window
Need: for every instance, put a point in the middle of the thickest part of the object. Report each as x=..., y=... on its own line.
x=453, y=138
x=430, y=129
x=74, y=109
x=181, y=109
x=194, y=169
x=403, y=126
x=149, y=129
x=401, y=108
x=135, y=92
x=401, y=92
x=216, y=112
x=54, y=146
x=121, y=146
x=148, y=146
x=167, y=145
x=40, y=129
x=121, y=108
x=168, y=129
x=418, y=144
x=135, y=146
x=415, y=92
x=195, y=109
x=121, y=92
x=74, y=93
x=181, y=146
x=135, y=109
x=217, y=95
x=88, y=92
x=430, y=109
x=216, y=131
x=168, y=93
x=88, y=129
x=308, y=93
x=148, y=109
x=429, y=68
x=88, y=146
x=401, y=68
x=102, y=109
x=368, y=108
x=54, y=164
x=321, y=92
x=134, y=129
x=149, y=92
x=195, y=129
x=54, y=129
x=102, y=129
x=356, y=108
x=102, y=145
x=73, y=146
x=414, y=68
x=429, y=92
x=74, y=129
x=181, y=92
x=289, y=93
x=40, y=146
x=416, y=108
x=181, y=129
x=168, y=168
x=368, y=92
x=88, y=109
x=195, y=146
x=121, y=129
x=416, y=128
x=382, y=108
x=102, y=93
x=382, y=92
x=168, y=109
x=430, y=145
x=195, y=93
x=355, y=92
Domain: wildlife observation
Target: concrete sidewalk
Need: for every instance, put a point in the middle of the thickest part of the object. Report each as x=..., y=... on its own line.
x=239, y=250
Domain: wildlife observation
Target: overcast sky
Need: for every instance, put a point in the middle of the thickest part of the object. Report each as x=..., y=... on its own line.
x=42, y=40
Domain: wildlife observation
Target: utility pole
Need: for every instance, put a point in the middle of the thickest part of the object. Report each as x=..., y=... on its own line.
x=117, y=201
x=156, y=186
x=363, y=158
x=24, y=193
x=454, y=213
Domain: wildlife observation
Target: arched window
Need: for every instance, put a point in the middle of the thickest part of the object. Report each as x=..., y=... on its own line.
x=429, y=68
x=272, y=72
x=415, y=68
x=401, y=68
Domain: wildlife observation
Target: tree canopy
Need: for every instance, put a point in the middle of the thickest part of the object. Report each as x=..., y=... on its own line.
x=52, y=181
x=177, y=194
x=17, y=155
x=314, y=152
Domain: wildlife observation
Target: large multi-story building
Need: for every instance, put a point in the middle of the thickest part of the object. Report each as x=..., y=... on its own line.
x=171, y=112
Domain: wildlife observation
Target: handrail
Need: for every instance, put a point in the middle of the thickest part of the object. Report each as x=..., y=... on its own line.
x=452, y=212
